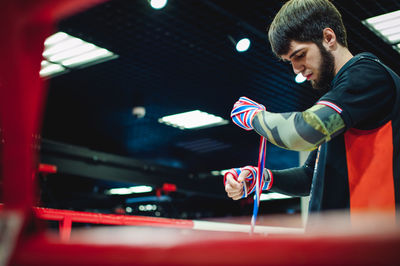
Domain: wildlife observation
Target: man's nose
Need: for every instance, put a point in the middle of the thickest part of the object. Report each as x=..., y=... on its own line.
x=297, y=68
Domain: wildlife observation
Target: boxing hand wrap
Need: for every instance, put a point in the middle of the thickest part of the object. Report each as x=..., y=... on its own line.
x=242, y=114
x=244, y=111
x=268, y=180
x=250, y=179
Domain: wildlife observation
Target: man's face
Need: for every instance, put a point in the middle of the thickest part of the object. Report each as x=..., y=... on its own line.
x=313, y=61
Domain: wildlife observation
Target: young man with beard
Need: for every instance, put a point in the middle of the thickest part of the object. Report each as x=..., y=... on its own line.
x=352, y=130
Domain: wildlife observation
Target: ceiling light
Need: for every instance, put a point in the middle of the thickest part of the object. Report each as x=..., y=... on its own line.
x=67, y=43
x=243, y=45
x=158, y=4
x=49, y=69
x=386, y=26
x=69, y=52
x=55, y=38
x=44, y=63
x=129, y=190
x=219, y=172
x=193, y=119
x=87, y=57
x=300, y=78
x=273, y=196
x=83, y=48
x=394, y=38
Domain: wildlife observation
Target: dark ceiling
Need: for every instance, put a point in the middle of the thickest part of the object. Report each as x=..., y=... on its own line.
x=179, y=59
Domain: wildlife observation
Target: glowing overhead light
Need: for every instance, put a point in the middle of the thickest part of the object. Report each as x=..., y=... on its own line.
x=243, y=45
x=219, y=172
x=274, y=196
x=158, y=4
x=394, y=38
x=70, y=52
x=62, y=46
x=87, y=57
x=386, y=26
x=49, y=69
x=300, y=78
x=44, y=63
x=55, y=38
x=193, y=119
x=83, y=48
x=129, y=190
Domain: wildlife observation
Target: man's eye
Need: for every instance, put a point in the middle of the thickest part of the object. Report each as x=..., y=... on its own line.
x=300, y=55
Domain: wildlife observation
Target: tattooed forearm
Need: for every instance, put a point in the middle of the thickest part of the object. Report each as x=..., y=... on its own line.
x=299, y=130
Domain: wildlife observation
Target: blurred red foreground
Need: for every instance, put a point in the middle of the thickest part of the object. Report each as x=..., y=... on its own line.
x=24, y=27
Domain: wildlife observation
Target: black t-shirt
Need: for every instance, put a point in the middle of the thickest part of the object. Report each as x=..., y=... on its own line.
x=359, y=169
x=364, y=90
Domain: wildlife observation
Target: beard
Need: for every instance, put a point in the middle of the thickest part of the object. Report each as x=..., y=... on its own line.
x=326, y=70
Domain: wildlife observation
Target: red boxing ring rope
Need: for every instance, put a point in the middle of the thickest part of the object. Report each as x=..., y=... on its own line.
x=67, y=217
x=25, y=26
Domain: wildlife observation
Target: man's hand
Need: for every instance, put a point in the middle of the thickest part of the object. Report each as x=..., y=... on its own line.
x=244, y=111
x=239, y=182
x=234, y=188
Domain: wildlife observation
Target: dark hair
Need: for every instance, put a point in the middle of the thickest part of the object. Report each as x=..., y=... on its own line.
x=304, y=21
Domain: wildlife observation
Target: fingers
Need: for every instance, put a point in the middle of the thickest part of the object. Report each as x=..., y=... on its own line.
x=234, y=188
x=230, y=179
x=233, y=193
x=245, y=173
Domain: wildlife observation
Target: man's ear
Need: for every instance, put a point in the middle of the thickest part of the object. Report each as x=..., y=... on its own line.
x=329, y=38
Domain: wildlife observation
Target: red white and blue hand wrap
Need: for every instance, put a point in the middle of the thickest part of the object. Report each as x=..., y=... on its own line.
x=242, y=114
x=244, y=111
x=250, y=179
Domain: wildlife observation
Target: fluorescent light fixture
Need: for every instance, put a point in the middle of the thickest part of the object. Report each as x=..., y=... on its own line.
x=81, y=49
x=219, y=172
x=243, y=45
x=158, y=4
x=300, y=78
x=386, y=26
x=274, y=196
x=71, y=52
x=87, y=57
x=67, y=43
x=50, y=69
x=44, y=63
x=394, y=38
x=193, y=119
x=129, y=190
x=55, y=38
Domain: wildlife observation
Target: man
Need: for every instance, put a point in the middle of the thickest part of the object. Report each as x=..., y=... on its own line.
x=352, y=130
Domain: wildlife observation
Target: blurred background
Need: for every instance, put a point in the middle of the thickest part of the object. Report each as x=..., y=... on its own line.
x=119, y=71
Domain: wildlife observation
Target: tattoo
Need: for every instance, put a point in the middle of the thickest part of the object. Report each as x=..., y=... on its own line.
x=299, y=130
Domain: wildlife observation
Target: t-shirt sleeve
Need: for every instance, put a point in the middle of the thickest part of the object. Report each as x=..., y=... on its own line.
x=363, y=94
